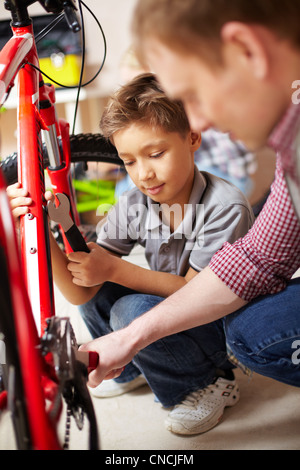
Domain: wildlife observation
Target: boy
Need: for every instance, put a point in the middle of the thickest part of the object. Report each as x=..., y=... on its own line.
x=181, y=217
x=236, y=67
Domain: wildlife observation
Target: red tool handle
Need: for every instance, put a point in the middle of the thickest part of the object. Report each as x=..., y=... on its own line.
x=89, y=358
x=93, y=360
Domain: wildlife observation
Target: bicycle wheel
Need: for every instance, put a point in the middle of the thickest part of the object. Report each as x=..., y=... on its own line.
x=23, y=362
x=84, y=148
x=11, y=370
x=74, y=390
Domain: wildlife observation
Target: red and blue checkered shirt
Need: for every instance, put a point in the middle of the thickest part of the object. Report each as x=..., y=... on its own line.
x=265, y=259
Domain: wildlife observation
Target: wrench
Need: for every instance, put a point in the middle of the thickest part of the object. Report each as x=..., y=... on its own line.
x=61, y=215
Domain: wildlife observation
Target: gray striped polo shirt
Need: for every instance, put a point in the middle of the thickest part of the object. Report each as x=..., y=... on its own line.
x=217, y=212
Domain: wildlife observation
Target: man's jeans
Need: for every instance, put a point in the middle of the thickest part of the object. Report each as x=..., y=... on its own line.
x=173, y=366
x=264, y=336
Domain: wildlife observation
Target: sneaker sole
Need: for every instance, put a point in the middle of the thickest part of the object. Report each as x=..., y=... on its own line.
x=116, y=392
x=179, y=428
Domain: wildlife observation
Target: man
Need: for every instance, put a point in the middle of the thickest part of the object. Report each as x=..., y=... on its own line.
x=234, y=65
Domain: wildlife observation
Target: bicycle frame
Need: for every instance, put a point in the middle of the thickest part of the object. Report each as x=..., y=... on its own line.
x=36, y=108
x=42, y=432
x=31, y=283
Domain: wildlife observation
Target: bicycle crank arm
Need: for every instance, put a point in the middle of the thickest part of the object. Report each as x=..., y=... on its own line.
x=60, y=340
x=61, y=215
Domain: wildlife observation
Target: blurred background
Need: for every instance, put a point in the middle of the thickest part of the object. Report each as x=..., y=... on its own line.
x=61, y=59
x=114, y=17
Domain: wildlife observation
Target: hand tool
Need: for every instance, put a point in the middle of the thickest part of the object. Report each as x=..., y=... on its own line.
x=61, y=215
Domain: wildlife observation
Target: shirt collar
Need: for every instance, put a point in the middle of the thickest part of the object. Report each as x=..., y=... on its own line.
x=284, y=139
x=153, y=220
x=284, y=134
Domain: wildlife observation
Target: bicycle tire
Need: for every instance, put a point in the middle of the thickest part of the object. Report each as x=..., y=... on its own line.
x=13, y=380
x=84, y=148
x=12, y=368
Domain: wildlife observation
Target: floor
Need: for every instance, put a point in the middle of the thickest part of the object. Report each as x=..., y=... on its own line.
x=267, y=416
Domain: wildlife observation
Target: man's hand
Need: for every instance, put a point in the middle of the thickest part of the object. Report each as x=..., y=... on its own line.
x=114, y=353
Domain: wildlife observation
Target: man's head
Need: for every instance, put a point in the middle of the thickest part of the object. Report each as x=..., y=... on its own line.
x=232, y=63
x=181, y=24
x=153, y=138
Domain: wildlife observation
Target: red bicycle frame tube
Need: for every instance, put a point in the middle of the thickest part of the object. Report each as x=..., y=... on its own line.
x=35, y=253
x=35, y=250
x=30, y=274
x=14, y=58
x=42, y=431
x=60, y=176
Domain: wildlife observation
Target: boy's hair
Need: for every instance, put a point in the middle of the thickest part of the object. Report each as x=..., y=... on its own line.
x=179, y=23
x=143, y=101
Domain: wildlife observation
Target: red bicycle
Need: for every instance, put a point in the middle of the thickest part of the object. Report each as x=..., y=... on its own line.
x=43, y=367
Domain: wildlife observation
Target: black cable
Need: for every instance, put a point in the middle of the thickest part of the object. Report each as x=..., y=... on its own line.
x=82, y=66
x=104, y=43
x=48, y=28
x=100, y=67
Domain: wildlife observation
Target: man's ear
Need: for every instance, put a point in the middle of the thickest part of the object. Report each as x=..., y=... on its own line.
x=195, y=140
x=247, y=41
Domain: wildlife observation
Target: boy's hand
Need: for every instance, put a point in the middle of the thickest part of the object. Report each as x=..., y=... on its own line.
x=49, y=196
x=91, y=269
x=19, y=200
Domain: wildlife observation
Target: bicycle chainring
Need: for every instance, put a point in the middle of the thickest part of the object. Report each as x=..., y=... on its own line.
x=59, y=340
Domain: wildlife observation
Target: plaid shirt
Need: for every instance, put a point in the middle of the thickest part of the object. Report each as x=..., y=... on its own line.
x=232, y=158
x=265, y=259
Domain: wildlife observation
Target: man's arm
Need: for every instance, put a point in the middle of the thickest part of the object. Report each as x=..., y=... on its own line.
x=275, y=253
x=203, y=300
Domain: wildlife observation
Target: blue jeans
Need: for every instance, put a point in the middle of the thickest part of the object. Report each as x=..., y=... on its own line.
x=265, y=335
x=173, y=366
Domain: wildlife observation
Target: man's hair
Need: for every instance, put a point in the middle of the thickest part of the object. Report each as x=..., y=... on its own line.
x=143, y=101
x=180, y=23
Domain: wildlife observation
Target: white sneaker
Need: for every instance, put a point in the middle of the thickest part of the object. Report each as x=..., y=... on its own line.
x=111, y=388
x=203, y=409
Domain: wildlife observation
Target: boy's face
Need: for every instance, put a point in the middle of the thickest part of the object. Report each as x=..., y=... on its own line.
x=160, y=163
x=230, y=98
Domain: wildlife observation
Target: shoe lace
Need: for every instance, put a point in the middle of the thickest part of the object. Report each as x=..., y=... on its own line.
x=193, y=398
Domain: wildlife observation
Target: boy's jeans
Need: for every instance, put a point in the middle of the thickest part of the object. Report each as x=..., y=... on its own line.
x=173, y=366
x=264, y=336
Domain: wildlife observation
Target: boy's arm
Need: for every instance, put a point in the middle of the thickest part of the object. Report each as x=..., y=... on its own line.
x=63, y=278
x=20, y=203
x=100, y=265
x=148, y=281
